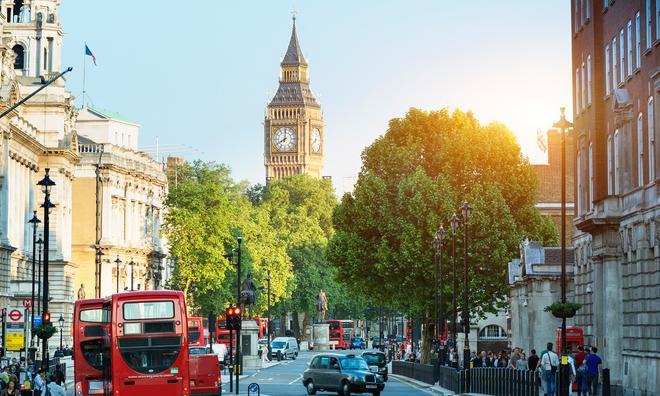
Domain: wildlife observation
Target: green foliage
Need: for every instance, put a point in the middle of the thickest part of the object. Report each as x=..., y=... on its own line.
x=563, y=310
x=206, y=211
x=412, y=179
x=45, y=331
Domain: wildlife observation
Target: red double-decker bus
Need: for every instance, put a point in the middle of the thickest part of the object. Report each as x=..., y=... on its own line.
x=87, y=341
x=341, y=332
x=197, y=334
x=145, y=344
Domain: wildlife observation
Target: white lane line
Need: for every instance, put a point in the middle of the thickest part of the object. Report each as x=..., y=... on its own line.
x=296, y=380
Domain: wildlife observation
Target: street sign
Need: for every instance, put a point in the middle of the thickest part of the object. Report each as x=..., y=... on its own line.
x=27, y=303
x=37, y=321
x=15, y=334
x=15, y=315
x=254, y=388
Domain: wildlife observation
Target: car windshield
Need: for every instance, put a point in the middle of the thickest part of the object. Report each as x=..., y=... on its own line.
x=277, y=344
x=374, y=357
x=355, y=363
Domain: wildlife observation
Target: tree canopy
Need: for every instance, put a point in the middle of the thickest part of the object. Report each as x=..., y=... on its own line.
x=412, y=180
x=206, y=211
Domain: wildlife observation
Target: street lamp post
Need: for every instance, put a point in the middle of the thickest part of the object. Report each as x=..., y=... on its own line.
x=467, y=210
x=439, y=307
x=118, y=261
x=268, y=315
x=239, y=358
x=132, y=263
x=61, y=320
x=46, y=184
x=563, y=124
x=99, y=266
x=454, y=227
x=34, y=221
x=40, y=242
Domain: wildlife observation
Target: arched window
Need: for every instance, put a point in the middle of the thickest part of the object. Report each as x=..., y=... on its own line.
x=19, y=62
x=492, y=332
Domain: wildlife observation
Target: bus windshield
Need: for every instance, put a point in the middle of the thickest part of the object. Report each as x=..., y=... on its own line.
x=91, y=350
x=334, y=325
x=149, y=355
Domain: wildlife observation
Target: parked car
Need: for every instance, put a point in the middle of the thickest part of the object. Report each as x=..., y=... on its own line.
x=286, y=347
x=345, y=374
x=358, y=343
x=377, y=362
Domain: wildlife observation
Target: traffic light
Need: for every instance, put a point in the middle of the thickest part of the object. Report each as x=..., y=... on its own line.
x=46, y=318
x=229, y=318
x=237, y=318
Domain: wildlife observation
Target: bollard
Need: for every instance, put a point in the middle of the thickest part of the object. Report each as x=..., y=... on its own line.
x=606, y=382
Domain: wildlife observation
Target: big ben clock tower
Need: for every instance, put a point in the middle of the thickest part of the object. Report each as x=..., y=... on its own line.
x=293, y=125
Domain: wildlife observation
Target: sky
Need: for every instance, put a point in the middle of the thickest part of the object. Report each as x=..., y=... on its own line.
x=198, y=75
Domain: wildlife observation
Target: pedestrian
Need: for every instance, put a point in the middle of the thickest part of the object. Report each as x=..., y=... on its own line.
x=571, y=364
x=582, y=378
x=4, y=377
x=11, y=390
x=533, y=360
x=593, y=361
x=484, y=360
x=14, y=368
x=516, y=361
x=549, y=364
x=501, y=361
x=60, y=376
x=54, y=389
x=39, y=385
x=491, y=358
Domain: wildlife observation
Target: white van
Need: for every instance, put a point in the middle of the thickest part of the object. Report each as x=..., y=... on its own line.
x=287, y=346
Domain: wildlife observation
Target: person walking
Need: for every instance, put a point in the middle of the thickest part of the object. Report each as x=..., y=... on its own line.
x=11, y=390
x=532, y=361
x=53, y=388
x=549, y=364
x=593, y=361
x=40, y=383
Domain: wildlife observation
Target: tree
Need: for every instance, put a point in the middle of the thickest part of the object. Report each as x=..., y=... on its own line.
x=412, y=180
x=206, y=211
x=300, y=210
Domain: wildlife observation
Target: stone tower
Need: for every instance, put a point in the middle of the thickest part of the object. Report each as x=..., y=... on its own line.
x=293, y=125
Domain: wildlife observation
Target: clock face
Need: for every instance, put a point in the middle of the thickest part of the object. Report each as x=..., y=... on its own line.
x=316, y=140
x=284, y=139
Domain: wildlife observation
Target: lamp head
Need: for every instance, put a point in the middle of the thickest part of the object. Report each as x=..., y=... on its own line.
x=61, y=319
x=34, y=220
x=466, y=209
x=118, y=260
x=46, y=183
x=454, y=222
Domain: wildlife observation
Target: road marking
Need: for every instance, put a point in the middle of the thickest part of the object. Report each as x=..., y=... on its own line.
x=298, y=378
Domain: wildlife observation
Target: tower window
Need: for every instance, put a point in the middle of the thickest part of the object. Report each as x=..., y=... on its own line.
x=45, y=59
x=18, y=5
x=19, y=62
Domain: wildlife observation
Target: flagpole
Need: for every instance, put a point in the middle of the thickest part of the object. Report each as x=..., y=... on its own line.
x=84, y=67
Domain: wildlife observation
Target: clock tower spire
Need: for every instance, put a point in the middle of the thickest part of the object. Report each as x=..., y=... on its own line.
x=293, y=125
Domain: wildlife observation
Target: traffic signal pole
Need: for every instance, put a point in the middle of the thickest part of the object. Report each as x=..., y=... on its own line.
x=231, y=360
x=239, y=361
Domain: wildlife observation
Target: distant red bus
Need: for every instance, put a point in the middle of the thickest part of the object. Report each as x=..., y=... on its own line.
x=196, y=332
x=87, y=343
x=263, y=326
x=341, y=332
x=574, y=338
x=221, y=333
x=145, y=344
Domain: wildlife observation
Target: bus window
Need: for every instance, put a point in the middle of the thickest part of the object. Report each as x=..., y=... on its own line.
x=148, y=310
x=91, y=350
x=91, y=315
x=149, y=355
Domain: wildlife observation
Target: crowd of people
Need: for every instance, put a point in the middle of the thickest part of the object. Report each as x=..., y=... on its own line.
x=37, y=382
x=584, y=365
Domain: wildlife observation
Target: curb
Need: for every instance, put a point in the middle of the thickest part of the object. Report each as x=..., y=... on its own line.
x=434, y=389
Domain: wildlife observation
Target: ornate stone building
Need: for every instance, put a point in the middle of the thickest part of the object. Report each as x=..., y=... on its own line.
x=35, y=136
x=293, y=125
x=44, y=133
x=132, y=187
x=616, y=64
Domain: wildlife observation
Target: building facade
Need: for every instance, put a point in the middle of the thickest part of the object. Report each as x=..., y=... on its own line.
x=535, y=283
x=42, y=134
x=132, y=187
x=548, y=200
x=293, y=125
x=616, y=61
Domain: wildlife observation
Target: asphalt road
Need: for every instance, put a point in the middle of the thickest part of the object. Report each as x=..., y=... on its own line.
x=285, y=379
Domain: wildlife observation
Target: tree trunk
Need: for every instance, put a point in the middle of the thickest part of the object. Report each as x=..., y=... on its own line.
x=425, y=352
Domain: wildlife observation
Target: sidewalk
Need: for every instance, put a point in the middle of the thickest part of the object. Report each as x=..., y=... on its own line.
x=433, y=389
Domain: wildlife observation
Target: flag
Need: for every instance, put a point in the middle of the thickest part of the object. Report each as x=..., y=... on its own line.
x=89, y=52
